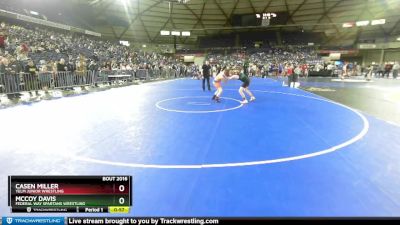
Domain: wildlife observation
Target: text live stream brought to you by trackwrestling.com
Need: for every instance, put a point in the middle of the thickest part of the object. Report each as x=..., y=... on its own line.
x=179, y=220
x=139, y=221
x=105, y=221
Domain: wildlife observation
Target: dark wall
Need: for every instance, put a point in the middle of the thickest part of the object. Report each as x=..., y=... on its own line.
x=266, y=38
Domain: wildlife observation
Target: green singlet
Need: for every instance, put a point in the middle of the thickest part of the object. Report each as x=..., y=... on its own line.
x=245, y=79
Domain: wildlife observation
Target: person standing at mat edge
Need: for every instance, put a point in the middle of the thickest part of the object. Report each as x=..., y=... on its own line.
x=395, y=70
x=206, y=69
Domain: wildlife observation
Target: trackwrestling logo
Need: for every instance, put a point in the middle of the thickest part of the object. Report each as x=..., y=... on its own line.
x=33, y=220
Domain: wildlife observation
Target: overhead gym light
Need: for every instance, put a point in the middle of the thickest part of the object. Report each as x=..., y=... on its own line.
x=176, y=33
x=348, y=25
x=165, y=33
x=362, y=23
x=34, y=13
x=378, y=22
x=186, y=33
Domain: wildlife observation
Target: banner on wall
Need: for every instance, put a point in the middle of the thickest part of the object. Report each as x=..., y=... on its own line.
x=188, y=58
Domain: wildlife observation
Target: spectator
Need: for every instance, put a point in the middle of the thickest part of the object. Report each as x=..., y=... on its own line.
x=387, y=69
x=297, y=72
x=61, y=67
x=11, y=80
x=289, y=73
x=61, y=77
x=3, y=36
x=369, y=72
x=31, y=77
x=396, y=68
x=2, y=73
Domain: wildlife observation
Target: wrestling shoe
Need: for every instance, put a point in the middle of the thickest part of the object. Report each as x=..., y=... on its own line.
x=244, y=102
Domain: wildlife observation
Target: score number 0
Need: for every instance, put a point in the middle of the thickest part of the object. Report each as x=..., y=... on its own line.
x=121, y=200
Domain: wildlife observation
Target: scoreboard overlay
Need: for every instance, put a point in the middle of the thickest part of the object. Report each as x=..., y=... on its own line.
x=72, y=194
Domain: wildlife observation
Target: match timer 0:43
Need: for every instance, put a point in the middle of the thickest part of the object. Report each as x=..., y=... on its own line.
x=75, y=194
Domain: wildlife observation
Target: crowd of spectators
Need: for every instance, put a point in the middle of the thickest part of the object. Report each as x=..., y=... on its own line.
x=46, y=48
x=278, y=61
x=269, y=61
x=37, y=57
x=32, y=49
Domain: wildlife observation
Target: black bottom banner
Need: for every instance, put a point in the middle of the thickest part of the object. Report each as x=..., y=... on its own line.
x=211, y=221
